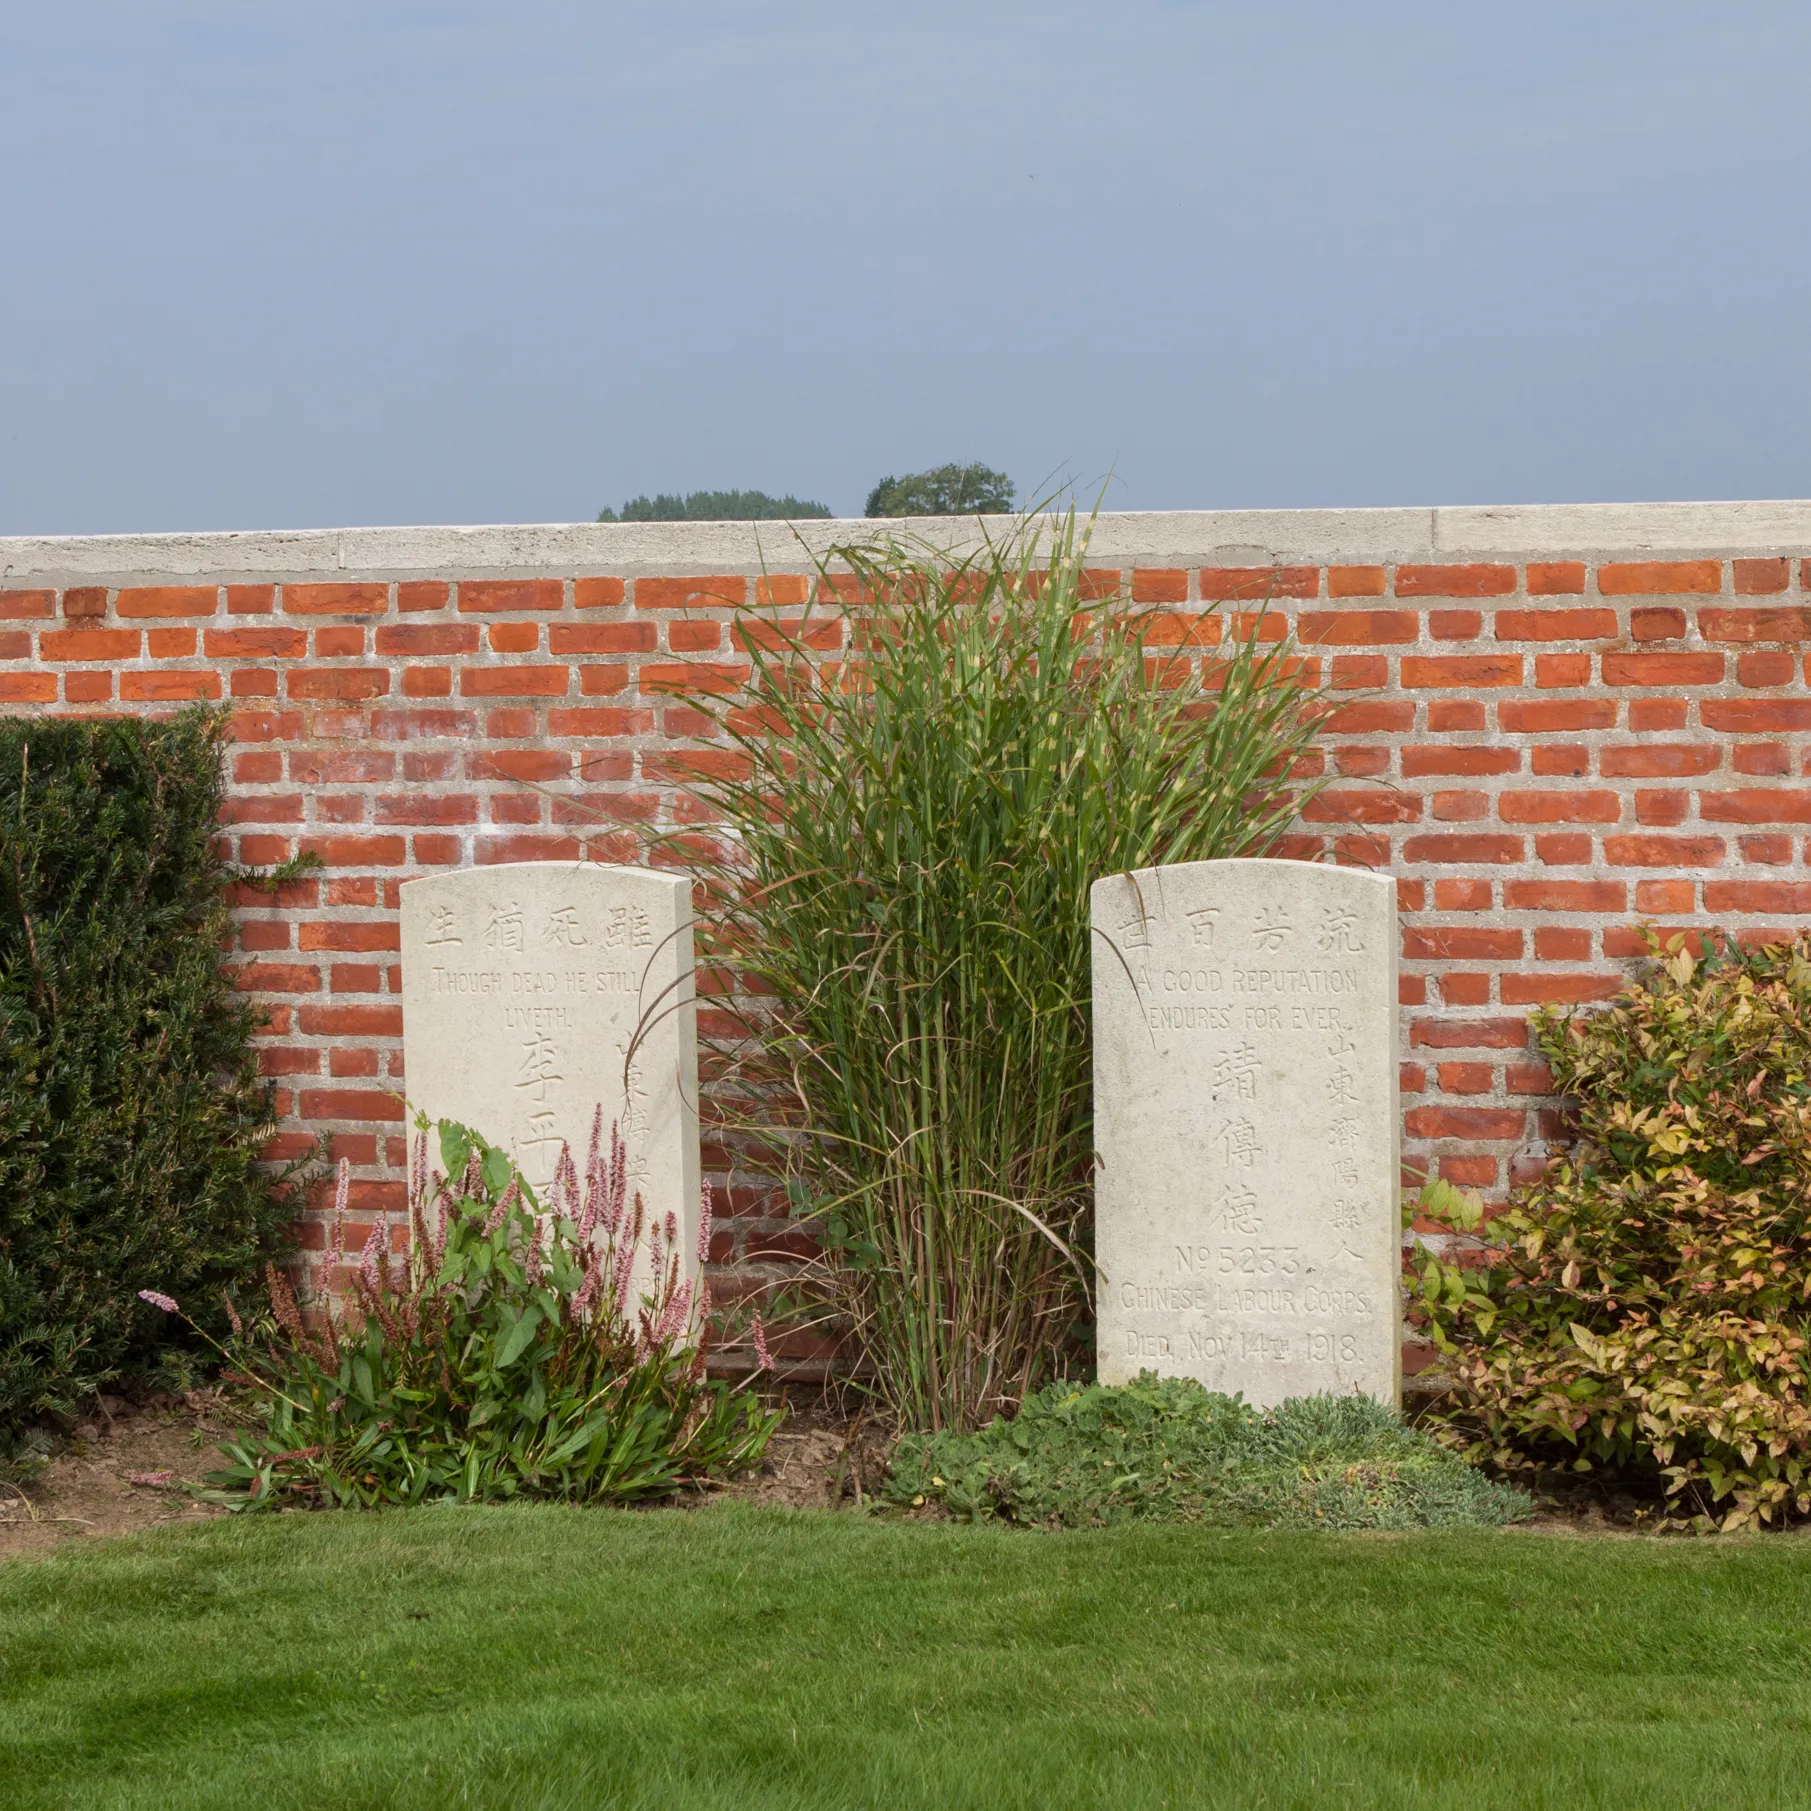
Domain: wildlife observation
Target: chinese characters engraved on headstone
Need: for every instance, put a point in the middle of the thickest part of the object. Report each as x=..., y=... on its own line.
x=523, y=988
x=1246, y=1125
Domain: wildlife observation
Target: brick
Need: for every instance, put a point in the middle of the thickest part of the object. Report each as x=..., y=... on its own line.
x=1459, y=895
x=600, y=721
x=492, y=849
x=1358, y=628
x=336, y=600
x=28, y=688
x=1547, y=716
x=1659, y=760
x=338, y=682
x=341, y=641
x=1556, y=943
x=1769, y=758
x=788, y=590
x=519, y=764
x=1758, y=578
x=711, y=591
x=1663, y=669
x=1770, y=851
x=1660, y=578
x=428, y=638
x=353, y=936
x=351, y=1021
x=1469, y=1034
x=1662, y=807
x=167, y=600
x=1477, y=848
x=825, y=634
x=1558, y=990
x=1356, y=581
x=1367, y=807
x=255, y=644
x=357, y=851
x=1352, y=671
x=1455, y=625
x=1664, y=895
x=85, y=600
x=1454, y=581
x=602, y=638
x=491, y=596
x=1459, y=760
x=1757, y=805
x=351, y=1103
x=1783, y=896
x=1567, y=849
x=1467, y=670
x=599, y=593
x=1527, y=1078
x=1234, y=584
x=1553, y=670
x=87, y=687
x=1658, y=623
x=1721, y=623
x=1773, y=668
x=1648, y=714
x=267, y=726
x=1752, y=715
x=1565, y=895
x=423, y=594
x=351, y=767
x=1559, y=807
x=1555, y=578
x=514, y=682
x=168, y=687
x=515, y=638
x=1556, y=625
x=1373, y=717
x=18, y=606
x=437, y=851
x=278, y=978
x=427, y=682
x=506, y=724
x=251, y=600
x=1466, y=1078
x=1571, y=759
x=1460, y=807
x=1460, y=943
x=1663, y=851
x=15, y=644
x=1465, y=1122
x=1150, y=585
x=689, y=676
x=427, y=808
x=88, y=644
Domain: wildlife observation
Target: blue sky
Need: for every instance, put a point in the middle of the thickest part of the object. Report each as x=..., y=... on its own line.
x=271, y=266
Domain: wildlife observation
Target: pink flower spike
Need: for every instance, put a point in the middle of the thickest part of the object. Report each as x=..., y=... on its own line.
x=343, y=1188
x=706, y=1209
x=158, y=1300
x=763, y=1358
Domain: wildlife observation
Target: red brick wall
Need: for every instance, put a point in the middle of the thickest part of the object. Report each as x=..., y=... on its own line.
x=1549, y=750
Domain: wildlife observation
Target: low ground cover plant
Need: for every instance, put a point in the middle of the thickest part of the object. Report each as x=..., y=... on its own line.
x=1167, y=1449
x=132, y=1113
x=511, y=1352
x=906, y=890
x=1644, y=1310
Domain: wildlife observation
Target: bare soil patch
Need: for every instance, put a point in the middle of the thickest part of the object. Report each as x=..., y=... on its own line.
x=121, y=1470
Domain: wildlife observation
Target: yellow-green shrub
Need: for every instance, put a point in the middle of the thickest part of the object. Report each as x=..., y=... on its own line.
x=1646, y=1306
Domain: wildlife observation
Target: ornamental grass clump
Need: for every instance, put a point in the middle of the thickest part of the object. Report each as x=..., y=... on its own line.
x=511, y=1352
x=914, y=830
x=1167, y=1449
x=1643, y=1311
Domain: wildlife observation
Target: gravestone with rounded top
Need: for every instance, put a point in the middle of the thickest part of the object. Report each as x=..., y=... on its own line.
x=533, y=991
x=1246, y=1128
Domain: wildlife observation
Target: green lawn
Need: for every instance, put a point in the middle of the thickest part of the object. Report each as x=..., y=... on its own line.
x=748, y=1659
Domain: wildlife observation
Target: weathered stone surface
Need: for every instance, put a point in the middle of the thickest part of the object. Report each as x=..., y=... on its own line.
x=1246, y=1220
x=523, y=988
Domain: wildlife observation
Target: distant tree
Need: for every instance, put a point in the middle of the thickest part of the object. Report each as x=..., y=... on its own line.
x=715, y=506
x=946, y=490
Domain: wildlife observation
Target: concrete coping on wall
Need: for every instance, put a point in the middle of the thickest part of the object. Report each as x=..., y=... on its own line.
x=1254, y=537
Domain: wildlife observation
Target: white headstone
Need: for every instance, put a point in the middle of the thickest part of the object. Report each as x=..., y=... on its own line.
x=532, y=991
x=1246, y=1124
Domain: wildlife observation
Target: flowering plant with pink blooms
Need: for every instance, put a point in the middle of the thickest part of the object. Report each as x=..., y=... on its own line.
x=515, y=1348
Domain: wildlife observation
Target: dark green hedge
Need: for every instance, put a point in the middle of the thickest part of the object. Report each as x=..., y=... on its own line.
x=131, y=1109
